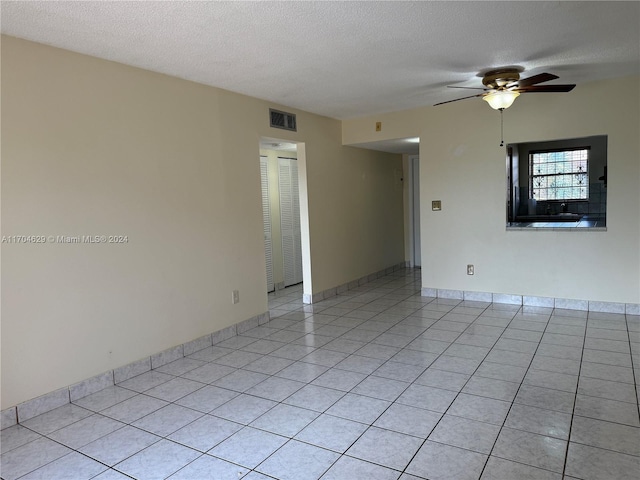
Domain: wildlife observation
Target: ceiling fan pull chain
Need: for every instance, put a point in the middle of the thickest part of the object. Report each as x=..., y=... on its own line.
x=501, y=127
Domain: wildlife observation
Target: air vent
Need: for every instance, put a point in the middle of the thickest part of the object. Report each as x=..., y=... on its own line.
x=284, y=120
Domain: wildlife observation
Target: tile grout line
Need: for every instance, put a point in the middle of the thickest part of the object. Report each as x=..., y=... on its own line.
x=633, y=368
x=519, y=387
x=281, y=402
x=398, y=396
x=460, y=391
x=404, y=287
x=394, y=401
x=340, y=455
x=431, y=363
x=575, y=399
x=513, y=400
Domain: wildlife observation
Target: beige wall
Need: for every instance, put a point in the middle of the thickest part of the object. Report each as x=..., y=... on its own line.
x=356, y=199
x=462, y=165
x=91, y=147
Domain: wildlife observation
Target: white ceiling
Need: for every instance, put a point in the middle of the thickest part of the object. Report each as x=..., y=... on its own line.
x=278, y=145
x=409, y=146
x=342, y=59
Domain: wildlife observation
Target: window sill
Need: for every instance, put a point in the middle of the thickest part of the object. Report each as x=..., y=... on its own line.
x=557, y=226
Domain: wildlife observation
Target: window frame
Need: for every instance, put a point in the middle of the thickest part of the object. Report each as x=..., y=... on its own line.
x=532, y=175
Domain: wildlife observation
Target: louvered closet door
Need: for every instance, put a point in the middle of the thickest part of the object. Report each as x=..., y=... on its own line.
x=266, y=222
x=290, y=221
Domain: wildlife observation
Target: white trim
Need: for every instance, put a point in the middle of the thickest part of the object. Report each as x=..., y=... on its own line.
x=63, y=396
x=410, y=204
x=531, y=301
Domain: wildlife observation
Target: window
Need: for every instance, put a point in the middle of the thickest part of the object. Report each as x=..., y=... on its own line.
x=560, y=183
x=560, y=174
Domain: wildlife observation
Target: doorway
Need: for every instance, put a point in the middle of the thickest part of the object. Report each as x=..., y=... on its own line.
x=289, y=195
x=282, y=199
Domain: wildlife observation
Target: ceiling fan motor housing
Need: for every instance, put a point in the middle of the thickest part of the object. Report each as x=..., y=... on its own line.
x=500, y=78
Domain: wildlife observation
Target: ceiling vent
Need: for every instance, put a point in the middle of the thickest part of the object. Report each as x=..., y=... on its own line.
x=284, y=120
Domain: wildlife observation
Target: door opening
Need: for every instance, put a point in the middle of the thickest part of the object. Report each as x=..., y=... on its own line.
x=289, y=193
x=284, y=206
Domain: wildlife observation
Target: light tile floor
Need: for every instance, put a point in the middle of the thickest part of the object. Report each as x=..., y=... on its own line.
x=378, y=383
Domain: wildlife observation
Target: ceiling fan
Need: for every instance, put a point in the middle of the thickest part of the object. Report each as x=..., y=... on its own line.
x=503, y=86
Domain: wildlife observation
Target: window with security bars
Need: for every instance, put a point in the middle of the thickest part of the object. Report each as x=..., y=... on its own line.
x=560, y=174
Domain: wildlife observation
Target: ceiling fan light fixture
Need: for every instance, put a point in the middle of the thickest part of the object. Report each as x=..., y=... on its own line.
x=501, y=99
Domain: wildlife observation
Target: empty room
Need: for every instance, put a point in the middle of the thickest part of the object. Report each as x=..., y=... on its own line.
x=291, y=240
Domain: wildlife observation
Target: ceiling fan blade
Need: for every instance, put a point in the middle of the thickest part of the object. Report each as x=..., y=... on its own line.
x=463, y=98
x=467, y=88
x=542, y=77
x=545, y=88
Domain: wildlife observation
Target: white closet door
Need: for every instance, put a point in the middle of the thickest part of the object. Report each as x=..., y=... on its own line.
x=290, y=221
x=266, y=222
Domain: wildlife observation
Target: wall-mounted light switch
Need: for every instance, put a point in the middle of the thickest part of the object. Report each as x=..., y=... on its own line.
x=470, y=270
x=436, y=205
x=235, y=297
x=378, y=126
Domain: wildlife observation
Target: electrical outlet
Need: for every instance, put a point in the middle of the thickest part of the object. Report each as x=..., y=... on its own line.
x=235, y=297
x=470, y=270
x=436, y=205
x=378, y=126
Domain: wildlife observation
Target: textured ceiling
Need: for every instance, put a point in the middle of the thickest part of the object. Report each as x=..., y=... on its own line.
x=342, y=59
